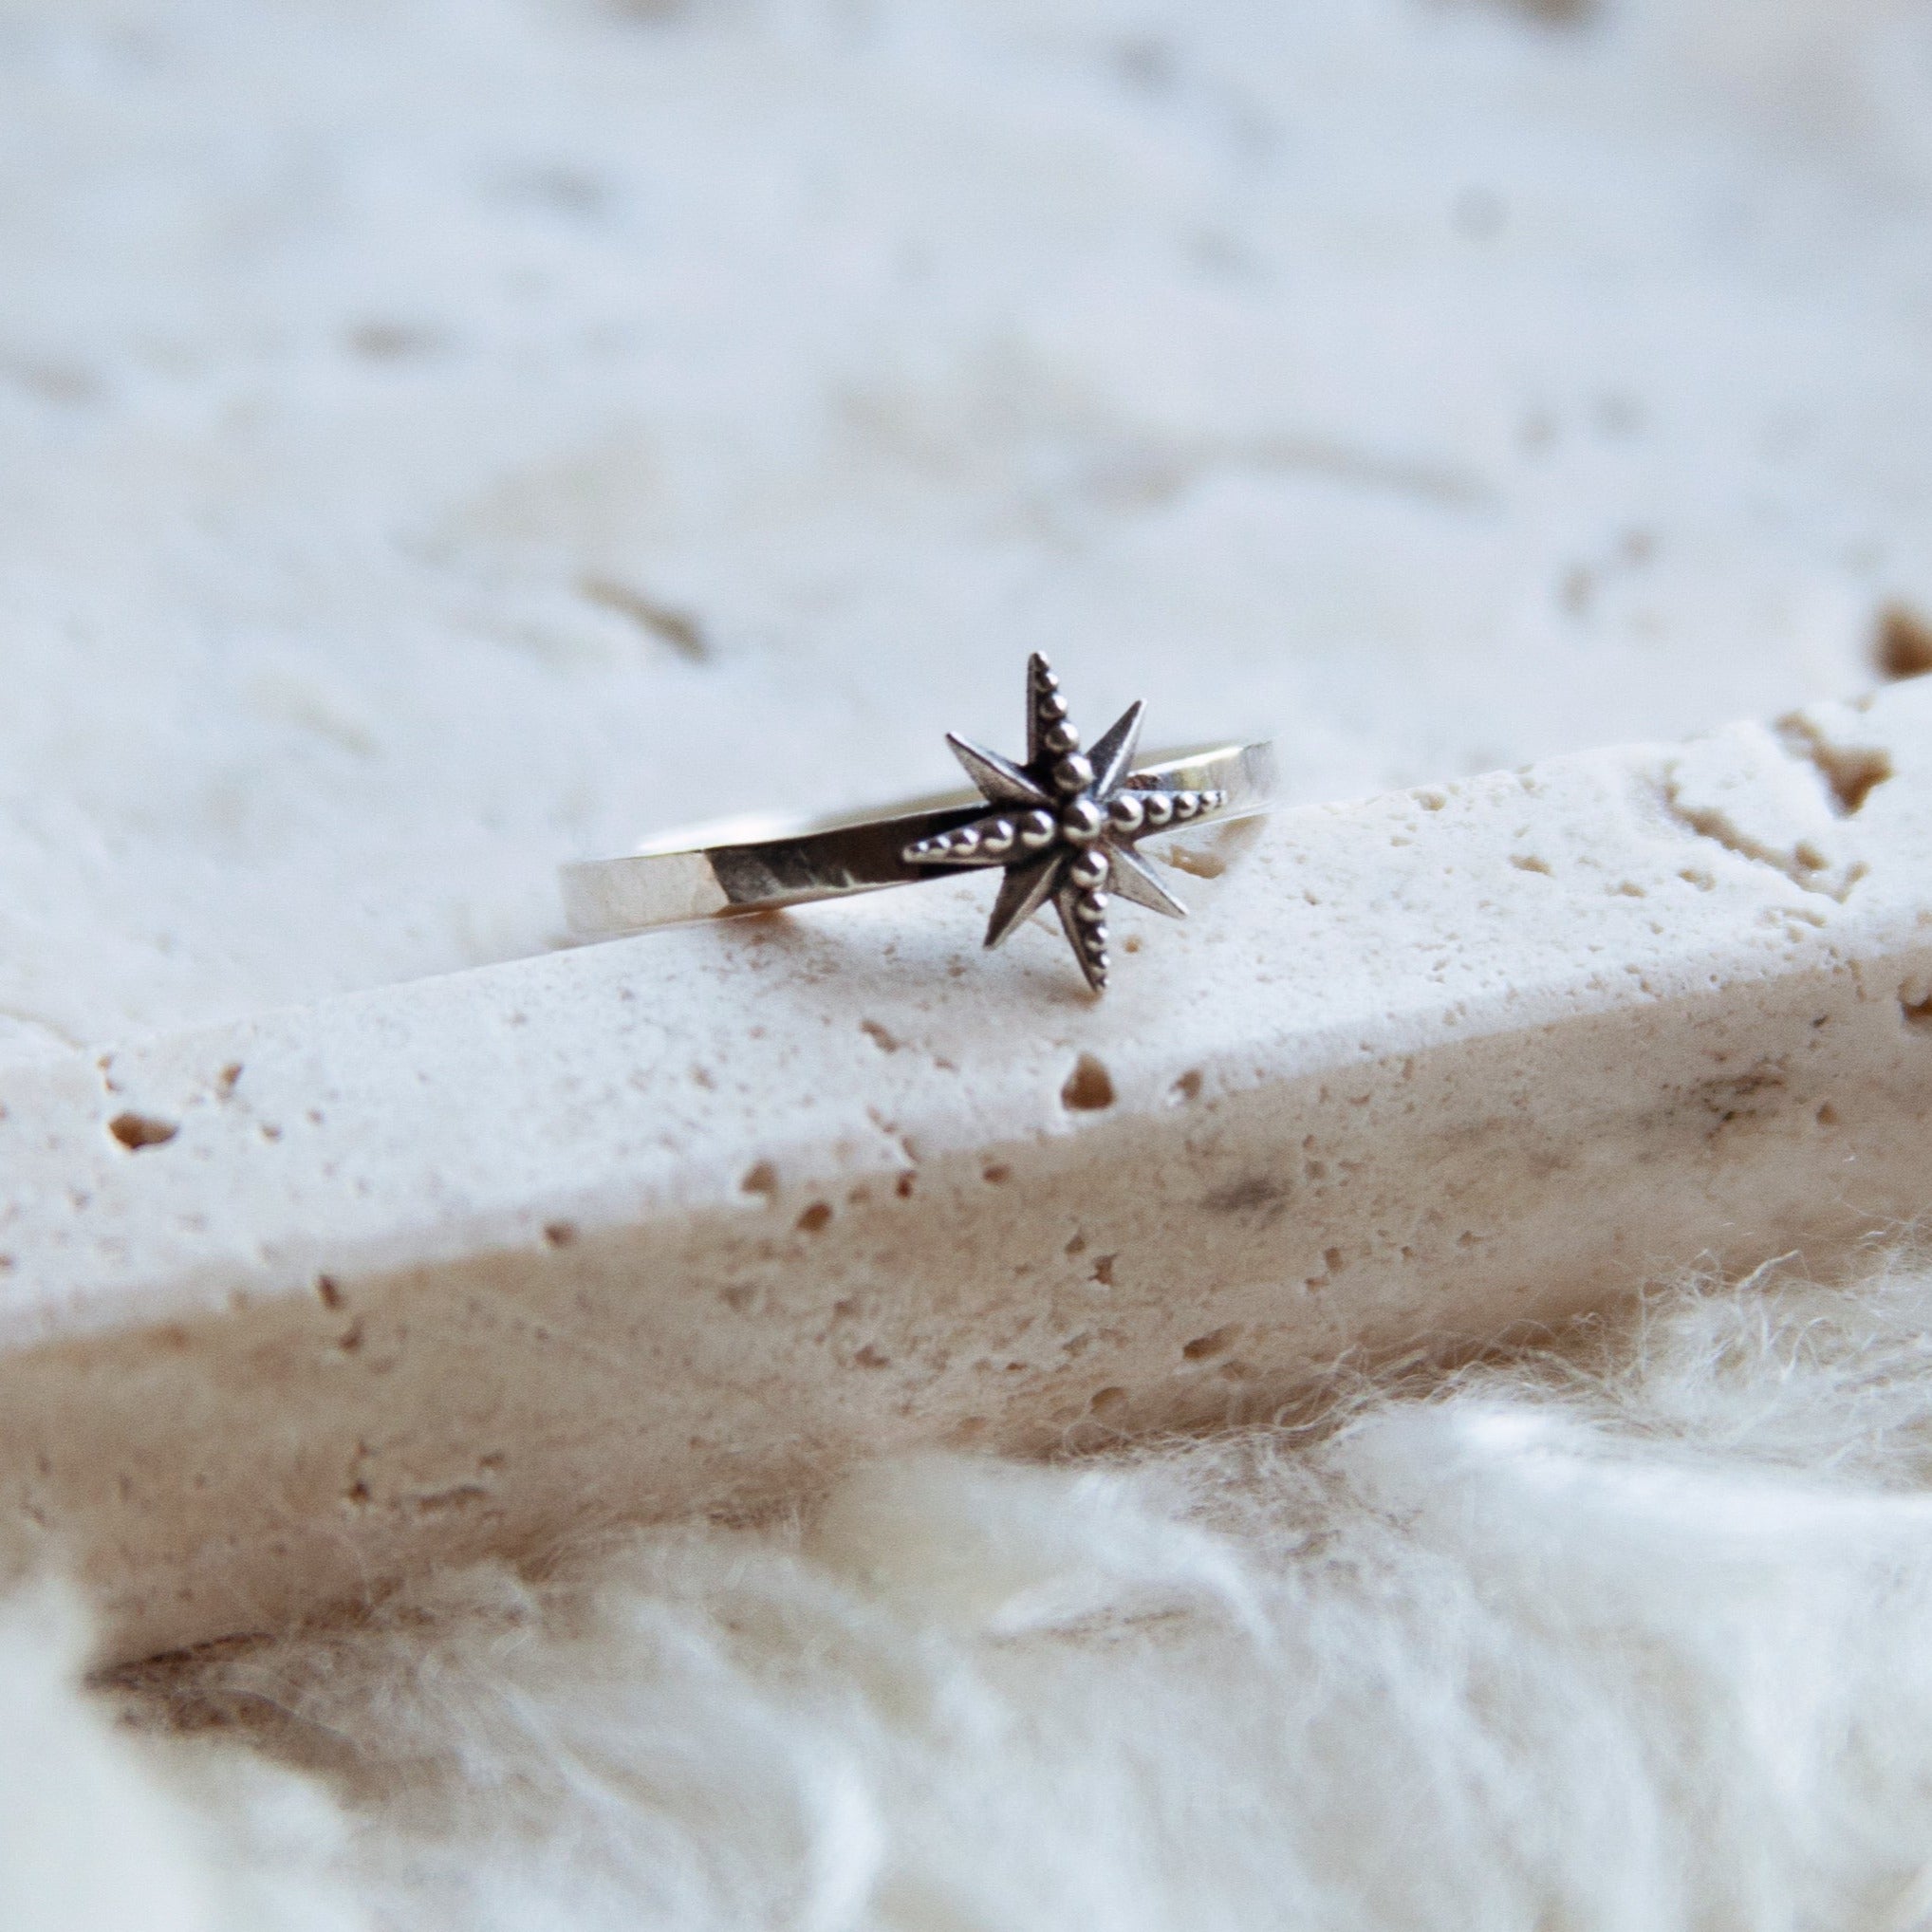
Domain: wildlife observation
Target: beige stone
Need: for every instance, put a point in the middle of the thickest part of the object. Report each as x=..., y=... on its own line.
x=687, y=1220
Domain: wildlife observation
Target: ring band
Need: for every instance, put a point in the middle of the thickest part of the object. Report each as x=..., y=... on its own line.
x=757, y=864
x=1062, y=826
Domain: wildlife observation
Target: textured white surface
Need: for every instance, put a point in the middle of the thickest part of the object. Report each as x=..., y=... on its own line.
x=1633, y=1641
x=698, y=1218
x=438, y=439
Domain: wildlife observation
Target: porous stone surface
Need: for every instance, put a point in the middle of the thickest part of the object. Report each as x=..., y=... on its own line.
x=441, y=439
x=292, y=1305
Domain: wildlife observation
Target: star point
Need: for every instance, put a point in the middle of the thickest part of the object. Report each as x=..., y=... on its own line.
x=1064, y=824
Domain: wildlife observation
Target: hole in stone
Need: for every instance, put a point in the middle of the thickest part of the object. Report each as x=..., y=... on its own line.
x=761, y=1180
x=54, y=381
x=904, y=1186
x=1257, y=1192
x=390, y=341
x=1918, y=1012
x=1205, y=1347
x=462, y=1496
x=1188, y=1086
x=1088, y=1088
x=816, y=1216
x=1573, y=14
x=869, y=1357
x=878, y=1035
x=998, y=1175
x=135, y=1131
x=1851, y=772
x=678, y=629
x=1104, y=1269
x=1528, y=862
x=1828, y=1115
x=1108, y=1402
x=1902, y=645
x=559, y=189
x=1196, y=865
x=559, y=1234
x=327, y=1292
x=1853, y=775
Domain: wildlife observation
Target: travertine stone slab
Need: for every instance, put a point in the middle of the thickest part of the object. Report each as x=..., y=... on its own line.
x=688, y=1220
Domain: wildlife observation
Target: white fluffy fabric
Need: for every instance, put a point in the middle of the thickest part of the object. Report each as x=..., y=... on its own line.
x=1633, y=1632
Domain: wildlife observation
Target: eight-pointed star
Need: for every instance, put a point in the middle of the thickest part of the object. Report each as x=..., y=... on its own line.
x=1064, y=824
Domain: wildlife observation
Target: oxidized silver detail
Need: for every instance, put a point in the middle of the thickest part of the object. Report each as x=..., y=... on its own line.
x=1085, y=810
x=1062, y=827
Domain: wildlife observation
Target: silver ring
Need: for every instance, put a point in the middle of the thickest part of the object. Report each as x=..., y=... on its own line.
x=1066, y=825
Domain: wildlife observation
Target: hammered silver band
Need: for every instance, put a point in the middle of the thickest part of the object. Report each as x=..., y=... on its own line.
x=759, y=865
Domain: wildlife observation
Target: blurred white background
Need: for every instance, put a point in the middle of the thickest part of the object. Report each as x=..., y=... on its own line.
x=441, y=438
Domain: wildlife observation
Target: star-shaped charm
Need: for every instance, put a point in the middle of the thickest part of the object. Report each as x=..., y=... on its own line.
x=1064, y=824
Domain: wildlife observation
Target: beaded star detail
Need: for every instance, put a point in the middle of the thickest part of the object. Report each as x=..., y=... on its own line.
x=1064, y=824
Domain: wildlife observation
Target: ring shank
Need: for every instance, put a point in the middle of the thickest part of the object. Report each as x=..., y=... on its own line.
x=757, y=864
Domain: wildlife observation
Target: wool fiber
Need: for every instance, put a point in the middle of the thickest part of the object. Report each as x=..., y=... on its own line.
x=1625, y=1632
